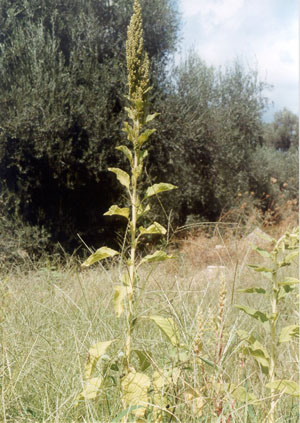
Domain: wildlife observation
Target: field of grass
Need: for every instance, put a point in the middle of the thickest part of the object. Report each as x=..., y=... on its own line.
x=52, y=313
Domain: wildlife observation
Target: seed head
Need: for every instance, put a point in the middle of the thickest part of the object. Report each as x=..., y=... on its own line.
x=137, y=59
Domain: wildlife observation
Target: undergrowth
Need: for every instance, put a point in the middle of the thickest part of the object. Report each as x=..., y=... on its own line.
x=51, y=314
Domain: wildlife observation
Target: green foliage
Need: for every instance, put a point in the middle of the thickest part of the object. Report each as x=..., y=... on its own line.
x=274, y=180
x=284, y=251
x=19, y=241
x=283, y=133
x=62, y=84
x=208, y=131
x=134, y=384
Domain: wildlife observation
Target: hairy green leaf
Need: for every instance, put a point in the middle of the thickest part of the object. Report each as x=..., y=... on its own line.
x=256, y=350
x=149, y=118
x=260, y=354
x=122, y=176
x=101, y=254
x=142, y=155
x=145, y=135
x=157, y=256
x=95, y=352
x=260, y=268
x=155, y=228
x=115, y=210
x=256, y=314
x=285, y=386
x=168, y=327
x=157, y=188
x=288, y=332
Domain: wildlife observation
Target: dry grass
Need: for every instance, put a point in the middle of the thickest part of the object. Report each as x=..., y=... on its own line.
x=52, y=314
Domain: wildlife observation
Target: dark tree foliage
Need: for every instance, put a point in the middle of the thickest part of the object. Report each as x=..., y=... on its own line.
x=283, y=132
x=62, y=92
x=210, y=126
x=62, y=87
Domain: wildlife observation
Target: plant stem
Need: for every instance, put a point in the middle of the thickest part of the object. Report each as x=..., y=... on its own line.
x=273, y=339
x=133, y=224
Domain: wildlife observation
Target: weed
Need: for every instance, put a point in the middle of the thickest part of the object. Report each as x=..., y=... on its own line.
x=283, y=252
x=134, y=385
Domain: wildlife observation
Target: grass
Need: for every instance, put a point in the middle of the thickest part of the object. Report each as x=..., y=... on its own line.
x=51, y=314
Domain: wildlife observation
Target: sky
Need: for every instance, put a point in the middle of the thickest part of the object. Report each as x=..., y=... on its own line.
x=263, y=34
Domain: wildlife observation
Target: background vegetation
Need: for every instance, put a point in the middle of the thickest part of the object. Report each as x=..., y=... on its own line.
x=62, y=88
x=206, y=360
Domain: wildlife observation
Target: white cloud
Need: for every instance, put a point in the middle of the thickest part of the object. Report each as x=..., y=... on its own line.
x=264, y=33
x=216, y=9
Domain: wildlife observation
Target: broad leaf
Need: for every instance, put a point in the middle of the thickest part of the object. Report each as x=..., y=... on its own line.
x=122, y=176
x=145, y=135
x=143, y=357
x=285, y=386
x=135, y=392
x=101, y=254
x=260, y=354
x=157, y=256
x=91, y=388
x=155, y=228
x=168, y=327
x=142, y=155
x=119, y=296
x=157, y=188
x=149, y=118
x=95, y=352
x=127, y=153
x=253, y=290
x=256, y=350
x=283, y=291
x=287, y=333
x=115, y=210
x=256, y=314
x=260, y=268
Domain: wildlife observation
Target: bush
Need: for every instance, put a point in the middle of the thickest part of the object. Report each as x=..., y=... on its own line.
x=274, y=179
